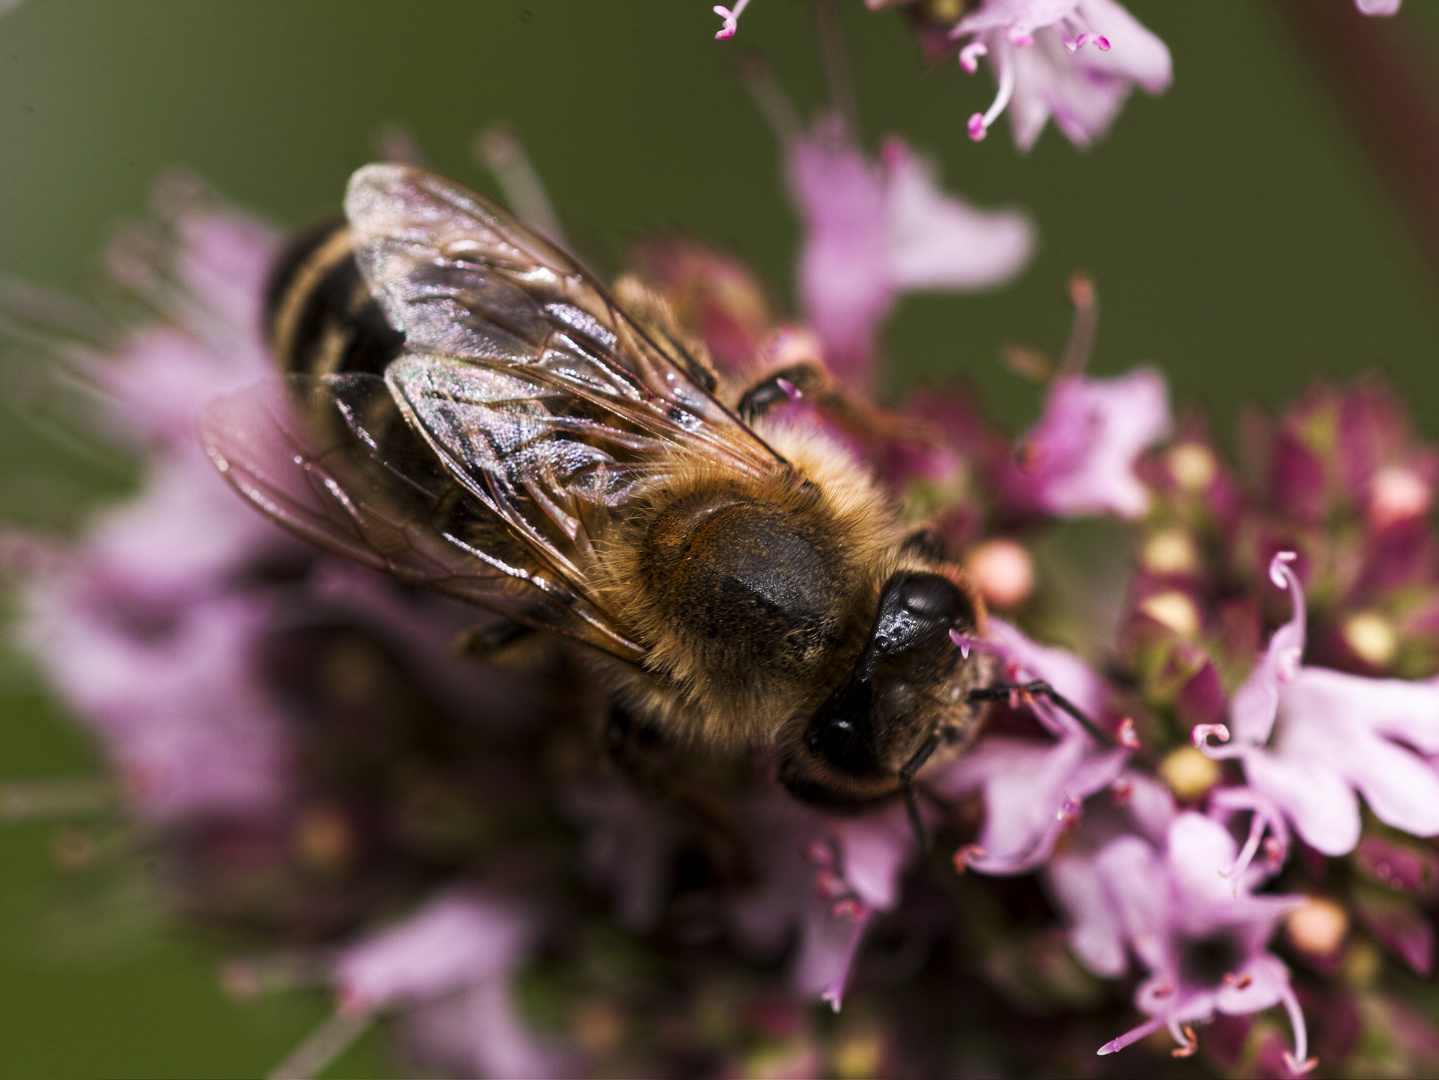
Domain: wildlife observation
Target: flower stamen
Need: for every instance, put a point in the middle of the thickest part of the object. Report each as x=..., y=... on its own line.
x=979, y=123
x=731, y=19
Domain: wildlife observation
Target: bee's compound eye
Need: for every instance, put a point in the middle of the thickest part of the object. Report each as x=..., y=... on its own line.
x=934, y=599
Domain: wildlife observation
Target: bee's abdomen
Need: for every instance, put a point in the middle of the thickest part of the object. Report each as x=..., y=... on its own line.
x=320, y=317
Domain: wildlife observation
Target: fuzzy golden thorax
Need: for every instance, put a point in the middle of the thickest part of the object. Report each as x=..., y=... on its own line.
x=751, y=594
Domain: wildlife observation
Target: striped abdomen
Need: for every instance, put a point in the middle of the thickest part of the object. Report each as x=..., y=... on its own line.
x=320, y=318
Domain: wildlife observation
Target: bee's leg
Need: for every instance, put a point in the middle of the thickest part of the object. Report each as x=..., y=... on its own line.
x=906, y=783
x=1001, y=691
x=790, y=383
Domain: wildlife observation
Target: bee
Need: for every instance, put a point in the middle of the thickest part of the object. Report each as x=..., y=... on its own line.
x=469, y=410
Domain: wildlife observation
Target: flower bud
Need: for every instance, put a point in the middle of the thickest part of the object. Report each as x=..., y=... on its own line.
x=1192, y=466
x=1003, y=572
x=1318, y=928
x=1188, y=773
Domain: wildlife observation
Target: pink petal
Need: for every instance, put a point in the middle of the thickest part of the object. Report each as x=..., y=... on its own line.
x=1323, y=808
x=1401, y=788
x=939, y=242
x=455, y=941
x=1084, y=448
x=479, y=1032
x=1198, y=853
x=845, y=283
x=828, y=946
x=1268, y=979
x=1048, y=83
x=1138, y=888
x=876, y=848
x=1096, y=932
x=1377, y=7
x=1396, y=708
x=1135, y=53
x=1025, y=15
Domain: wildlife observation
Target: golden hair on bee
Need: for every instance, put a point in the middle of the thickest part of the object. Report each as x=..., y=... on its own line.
x=471, y=412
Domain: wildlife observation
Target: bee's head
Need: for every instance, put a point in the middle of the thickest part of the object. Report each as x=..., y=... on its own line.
x=902, y=685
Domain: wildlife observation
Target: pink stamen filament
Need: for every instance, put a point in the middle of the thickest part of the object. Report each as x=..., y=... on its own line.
x=1132, y=1036
x=979, y=124
x=1297, y=1063
x=731, y=19
x=1184, y=1036
x=1200, y=735
x=970, y=54
x=1246, y=856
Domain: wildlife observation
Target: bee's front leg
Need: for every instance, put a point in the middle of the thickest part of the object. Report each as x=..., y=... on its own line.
x=789, y=383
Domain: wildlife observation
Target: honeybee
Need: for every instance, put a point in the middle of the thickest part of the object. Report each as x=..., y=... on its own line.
x=469, y=410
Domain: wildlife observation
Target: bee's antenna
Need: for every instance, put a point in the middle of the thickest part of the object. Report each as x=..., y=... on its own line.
x=1000, y=691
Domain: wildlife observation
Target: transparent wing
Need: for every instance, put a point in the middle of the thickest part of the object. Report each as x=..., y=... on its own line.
x=334, y=460
x=537, y=393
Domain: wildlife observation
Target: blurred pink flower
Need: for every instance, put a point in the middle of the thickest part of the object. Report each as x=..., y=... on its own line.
x=1377, y=7
x=1033, y=788
x=1202, y=943
x=1338, y=736
x=1080, y=457
x=820, y=877
x=143, y=627
x=1138, y=805
x=448, y=967
x=1074, y=60
x=876, y=230
x=171, y=689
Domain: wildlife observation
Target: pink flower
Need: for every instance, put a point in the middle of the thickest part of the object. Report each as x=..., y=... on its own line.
x=448, y=967
x=1138, y=804
x=1338, y=736
x=874, y=231
x=1080, y=457
x=821, y=877
x=171, y=689
x=143, y=627
x=1377, y=7
x=1033, y=787
x=1202, y=944
x=1075, y=60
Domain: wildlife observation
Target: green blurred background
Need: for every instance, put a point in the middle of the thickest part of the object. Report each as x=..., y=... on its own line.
x=1239, y=238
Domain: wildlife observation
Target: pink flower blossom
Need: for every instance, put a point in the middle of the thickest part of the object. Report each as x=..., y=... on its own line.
x=1138, y=804
x=876, y=230
x=1202, y=944
x=171, y=689
x=1080, y=458
x=1033, y=787
x=448, y=967
x=141, y=627
x=1075, y=60
x=1377, y=7
x=1337, y=736
x=823, y=878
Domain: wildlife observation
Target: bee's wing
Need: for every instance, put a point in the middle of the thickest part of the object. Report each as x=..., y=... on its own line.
x=459, y=276
x=333, y=460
